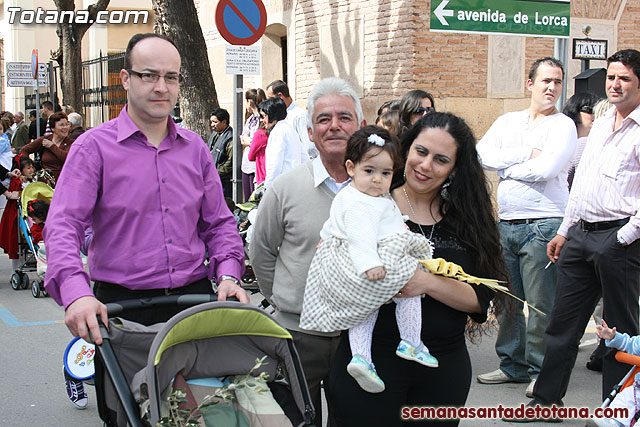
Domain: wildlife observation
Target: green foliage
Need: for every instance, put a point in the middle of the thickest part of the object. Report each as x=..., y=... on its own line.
x=184, y=417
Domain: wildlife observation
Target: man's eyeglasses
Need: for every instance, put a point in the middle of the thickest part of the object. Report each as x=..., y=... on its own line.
x=422, y=110
x=586, y=109
x=170, y=79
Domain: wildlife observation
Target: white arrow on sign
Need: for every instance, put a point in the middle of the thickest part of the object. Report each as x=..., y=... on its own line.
x=440, y=12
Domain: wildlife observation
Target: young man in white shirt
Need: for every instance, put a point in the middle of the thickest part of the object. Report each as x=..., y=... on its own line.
x=531, y=150
x=296, y=116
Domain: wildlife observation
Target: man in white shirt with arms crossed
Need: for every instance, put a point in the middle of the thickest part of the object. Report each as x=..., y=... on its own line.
x=531, y=150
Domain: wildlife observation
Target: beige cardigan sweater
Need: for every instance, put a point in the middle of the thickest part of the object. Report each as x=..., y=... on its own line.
x=286, y=233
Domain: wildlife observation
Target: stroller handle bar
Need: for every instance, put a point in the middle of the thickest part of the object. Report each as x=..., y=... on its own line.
x=115, y=308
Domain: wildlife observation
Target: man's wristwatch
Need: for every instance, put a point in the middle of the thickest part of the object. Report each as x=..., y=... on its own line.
x=227, y=277
x=621, y=241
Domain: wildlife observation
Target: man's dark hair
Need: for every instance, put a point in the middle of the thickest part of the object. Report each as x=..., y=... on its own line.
x=278, y=86
x=33, y=113
x=629, y=57
x=221, y=114
x=548, y=60
x=48, y=105
x=139, y=37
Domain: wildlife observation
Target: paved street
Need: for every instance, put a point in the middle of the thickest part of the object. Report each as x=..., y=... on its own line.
x=33, y=338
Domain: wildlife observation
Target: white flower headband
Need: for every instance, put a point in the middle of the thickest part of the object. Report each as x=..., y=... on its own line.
x=375, y=139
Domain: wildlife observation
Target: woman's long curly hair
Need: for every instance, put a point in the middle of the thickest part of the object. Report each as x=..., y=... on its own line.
x=468, y=207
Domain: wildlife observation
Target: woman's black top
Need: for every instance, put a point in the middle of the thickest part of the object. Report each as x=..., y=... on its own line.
x=443, y=327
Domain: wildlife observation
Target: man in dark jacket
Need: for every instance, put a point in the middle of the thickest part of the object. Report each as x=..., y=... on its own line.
x=75, y=119
x=32, y=127
x=221, y=145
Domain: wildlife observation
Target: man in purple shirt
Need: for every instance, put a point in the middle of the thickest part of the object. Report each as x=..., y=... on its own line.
x=152, y=196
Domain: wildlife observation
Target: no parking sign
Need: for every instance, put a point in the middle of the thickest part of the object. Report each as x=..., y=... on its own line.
x=241, y=22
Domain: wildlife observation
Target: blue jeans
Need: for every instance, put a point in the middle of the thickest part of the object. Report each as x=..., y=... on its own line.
x=520, y=343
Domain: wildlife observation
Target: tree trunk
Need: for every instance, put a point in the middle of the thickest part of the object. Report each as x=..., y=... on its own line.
x=179, y=21
x=70, y=36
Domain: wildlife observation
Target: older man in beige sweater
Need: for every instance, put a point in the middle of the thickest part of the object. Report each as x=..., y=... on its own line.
x=290, y=217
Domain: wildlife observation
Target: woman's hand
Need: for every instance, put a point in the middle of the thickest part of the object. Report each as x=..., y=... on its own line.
x=245, y=141
x=417, y=285
x=47, y=143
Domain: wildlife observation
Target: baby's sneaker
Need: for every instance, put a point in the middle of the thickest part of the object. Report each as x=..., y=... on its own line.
x=365, y=374
x=418, y=354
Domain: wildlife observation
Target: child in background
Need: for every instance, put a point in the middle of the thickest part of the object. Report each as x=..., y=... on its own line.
x=9, y=222
x=627, y=397
x=390, y=121
x=37, y=210
x=365, y=257
x=27, y=168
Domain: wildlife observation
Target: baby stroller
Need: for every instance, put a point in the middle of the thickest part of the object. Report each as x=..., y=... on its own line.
x=627, y=381
x=27, y=250
x=215, y=339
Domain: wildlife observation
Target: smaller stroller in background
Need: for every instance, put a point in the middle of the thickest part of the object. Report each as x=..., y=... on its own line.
x=27, y=250
x=627, y=381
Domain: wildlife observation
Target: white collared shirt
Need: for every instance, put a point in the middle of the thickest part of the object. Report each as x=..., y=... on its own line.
x=530, y=188
x=606, y=186
x=320, y=176
x=297, y=118
x=284, y=152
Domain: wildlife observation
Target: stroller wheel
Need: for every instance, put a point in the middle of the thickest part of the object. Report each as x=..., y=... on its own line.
x=15, y=281
x=24, y=281
x=35, y=289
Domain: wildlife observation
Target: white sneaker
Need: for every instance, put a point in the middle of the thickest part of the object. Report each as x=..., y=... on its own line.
x=529, y=391
x=499, y=377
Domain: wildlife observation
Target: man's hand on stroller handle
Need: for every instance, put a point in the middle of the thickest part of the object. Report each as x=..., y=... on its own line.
x=228, y=288
x=81, y=317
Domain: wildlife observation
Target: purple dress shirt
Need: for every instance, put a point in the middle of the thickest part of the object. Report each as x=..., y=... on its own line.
x=155, y=213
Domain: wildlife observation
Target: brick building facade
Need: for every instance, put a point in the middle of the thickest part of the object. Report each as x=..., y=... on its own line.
x=385, y=48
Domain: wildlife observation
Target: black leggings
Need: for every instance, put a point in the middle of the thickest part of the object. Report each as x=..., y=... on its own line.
x=407, y=384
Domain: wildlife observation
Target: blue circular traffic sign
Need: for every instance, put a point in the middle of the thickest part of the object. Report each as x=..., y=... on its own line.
x=241, y=22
